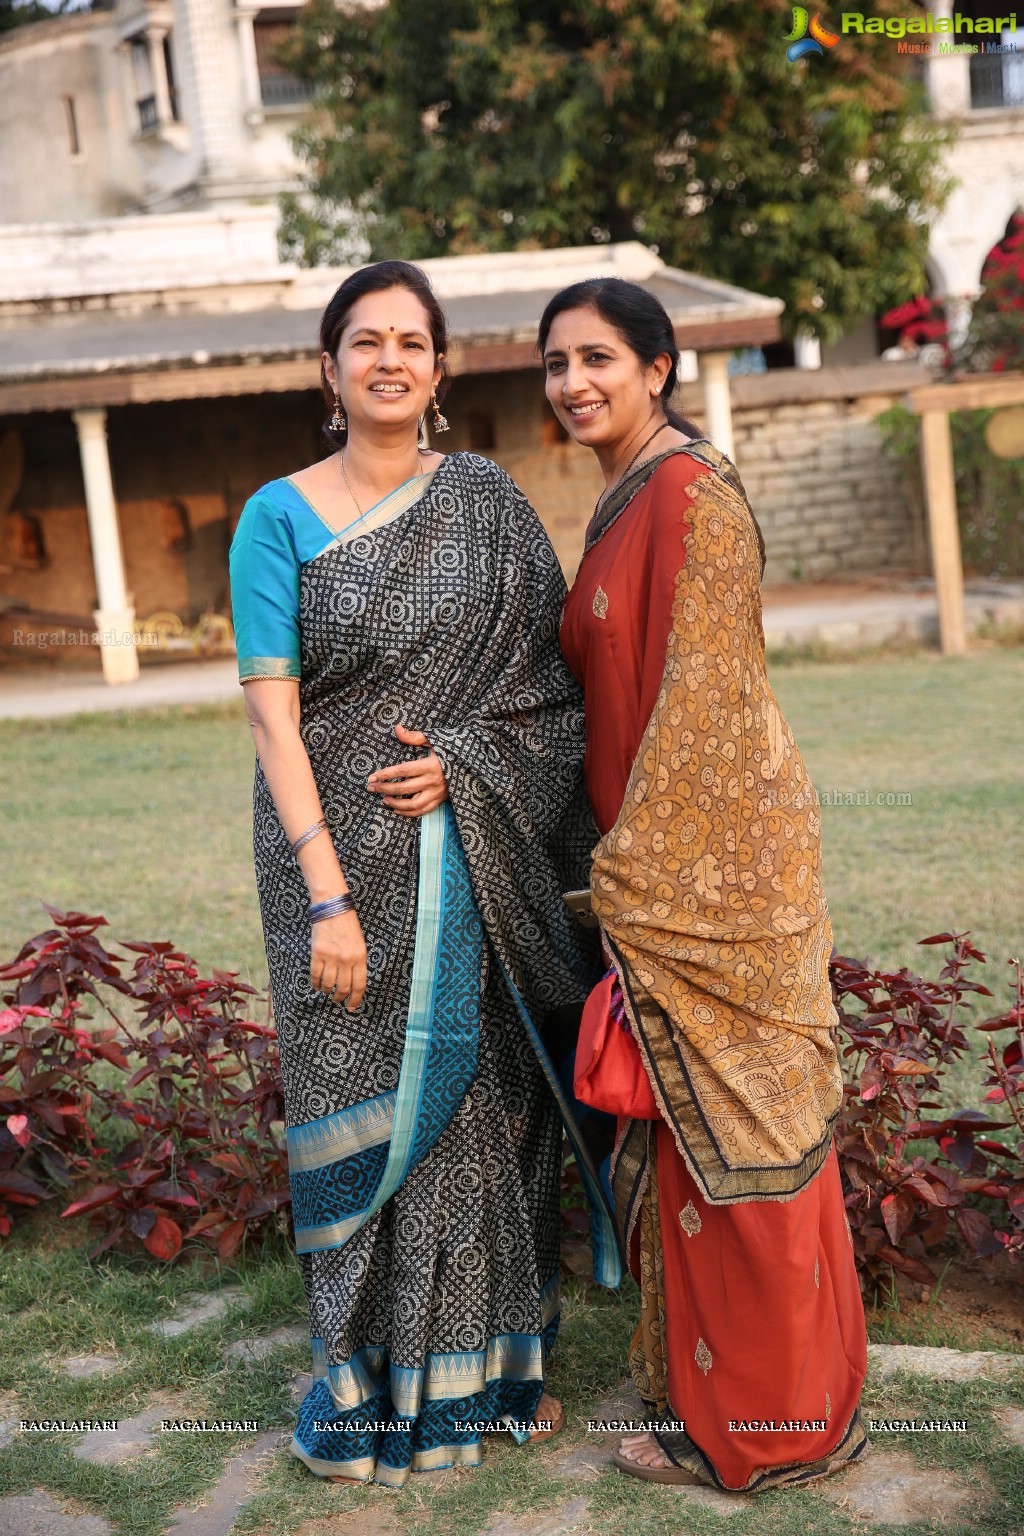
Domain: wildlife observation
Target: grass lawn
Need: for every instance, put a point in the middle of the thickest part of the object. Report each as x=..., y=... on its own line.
x=145, y=817
x=55, y=1304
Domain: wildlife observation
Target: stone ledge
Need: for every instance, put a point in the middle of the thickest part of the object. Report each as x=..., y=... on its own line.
x=887, y=1360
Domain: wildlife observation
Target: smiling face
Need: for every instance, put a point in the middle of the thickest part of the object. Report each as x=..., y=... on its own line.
x=596, y=384
x=384, y=368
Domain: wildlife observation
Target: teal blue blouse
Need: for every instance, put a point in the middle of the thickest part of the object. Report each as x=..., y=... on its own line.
x=278, y=533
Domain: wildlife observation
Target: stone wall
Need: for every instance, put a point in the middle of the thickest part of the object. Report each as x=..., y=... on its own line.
x=829, y=500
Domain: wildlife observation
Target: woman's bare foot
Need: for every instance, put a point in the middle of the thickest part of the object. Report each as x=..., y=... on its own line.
x=548, y=1411
x=643, y=1449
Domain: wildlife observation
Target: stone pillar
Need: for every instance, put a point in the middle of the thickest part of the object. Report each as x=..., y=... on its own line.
x=948, y=75
x=158, y=74
x=115, y=616
x=958, y=318
x=944, y=530
x=251, y=94
x=806, y=350
x=714, y=373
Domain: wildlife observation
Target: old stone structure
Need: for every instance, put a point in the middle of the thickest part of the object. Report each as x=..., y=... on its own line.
x=145, y=106
x=158, y=361
x=134, y=422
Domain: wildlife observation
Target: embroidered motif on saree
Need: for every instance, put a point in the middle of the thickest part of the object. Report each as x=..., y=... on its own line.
x=689, y=1220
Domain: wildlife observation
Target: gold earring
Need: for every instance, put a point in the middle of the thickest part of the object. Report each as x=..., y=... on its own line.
x=440, y=422
x=337, y=422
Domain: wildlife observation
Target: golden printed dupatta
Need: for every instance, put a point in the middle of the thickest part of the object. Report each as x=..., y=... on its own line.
x=708, y=888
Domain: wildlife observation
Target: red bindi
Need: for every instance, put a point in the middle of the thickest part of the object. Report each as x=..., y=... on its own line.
x=390, y=327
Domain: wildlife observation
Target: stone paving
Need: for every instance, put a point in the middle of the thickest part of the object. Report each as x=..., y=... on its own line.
x=39, y=1514
x=1011, y=1422
x=132, y=1438
x=216, y=1515
x=198, y=1307
x=264, y=1344
x=581, y=1463
x=891, y=1488
x=78, y=1366
x=546, y=1522
x=885, y=1360
x=886, y=1488
x=300, y=1385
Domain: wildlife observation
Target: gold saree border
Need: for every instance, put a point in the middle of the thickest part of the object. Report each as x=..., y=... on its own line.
x=253, y=668
x=719, y=1182
x=378, y=516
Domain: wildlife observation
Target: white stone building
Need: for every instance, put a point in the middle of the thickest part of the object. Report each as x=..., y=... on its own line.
x=154, y=106
x=150, y=106
x=981, y=97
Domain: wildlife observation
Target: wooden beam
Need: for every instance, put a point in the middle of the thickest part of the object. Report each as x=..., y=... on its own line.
x=940, y=494
x=146, y=386
x=259, y=376
x=969, y=394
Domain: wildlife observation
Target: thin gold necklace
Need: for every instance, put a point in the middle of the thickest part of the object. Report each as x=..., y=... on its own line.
x=344, y=473
x=608, y=489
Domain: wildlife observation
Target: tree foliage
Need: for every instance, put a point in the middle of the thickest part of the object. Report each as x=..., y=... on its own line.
x=20, y=13
x=483, y=125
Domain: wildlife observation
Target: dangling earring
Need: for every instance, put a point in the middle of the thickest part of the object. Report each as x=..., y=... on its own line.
x=337, y=422
x=440, y=422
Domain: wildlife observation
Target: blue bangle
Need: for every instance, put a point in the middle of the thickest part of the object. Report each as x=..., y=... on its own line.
x=321, y=910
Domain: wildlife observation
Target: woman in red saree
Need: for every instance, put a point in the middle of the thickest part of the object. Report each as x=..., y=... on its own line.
x=720, y=1053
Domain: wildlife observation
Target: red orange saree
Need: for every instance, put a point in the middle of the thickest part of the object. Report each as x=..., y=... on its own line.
x=707, y=883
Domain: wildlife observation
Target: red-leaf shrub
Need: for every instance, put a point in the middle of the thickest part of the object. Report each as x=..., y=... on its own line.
x=911, y=1180
x=197, y=1080
x=198, y=1083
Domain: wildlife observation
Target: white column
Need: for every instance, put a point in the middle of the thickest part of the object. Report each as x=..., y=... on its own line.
x=714, y=373
x=948, y=74
x=250, y=67
x=806, y=350
x=958, y=318
x=158, y=73
x=115, y=616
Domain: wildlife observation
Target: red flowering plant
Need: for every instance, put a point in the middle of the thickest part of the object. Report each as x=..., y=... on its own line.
x=913, y=1173
x=195, y=1079
x=920, y=322
x=995, y=339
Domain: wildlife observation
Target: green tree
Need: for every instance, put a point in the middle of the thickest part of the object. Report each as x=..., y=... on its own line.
x=483, y=125
x=19, y=13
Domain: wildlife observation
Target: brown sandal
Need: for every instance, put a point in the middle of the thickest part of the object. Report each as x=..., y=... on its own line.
x=673, y=1474
x=557, y=1424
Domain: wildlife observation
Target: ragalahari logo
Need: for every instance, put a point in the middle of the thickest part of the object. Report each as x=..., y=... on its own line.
x=800, y=45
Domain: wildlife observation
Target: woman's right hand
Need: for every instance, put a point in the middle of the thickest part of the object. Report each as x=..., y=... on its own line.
x=337, y=962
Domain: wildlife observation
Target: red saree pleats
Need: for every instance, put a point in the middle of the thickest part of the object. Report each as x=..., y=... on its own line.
x=763, y=1325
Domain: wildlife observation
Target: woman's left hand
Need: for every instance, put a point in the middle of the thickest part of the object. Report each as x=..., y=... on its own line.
x=413, y=788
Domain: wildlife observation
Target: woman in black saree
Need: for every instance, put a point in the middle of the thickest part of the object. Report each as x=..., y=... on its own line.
x=418, y=811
